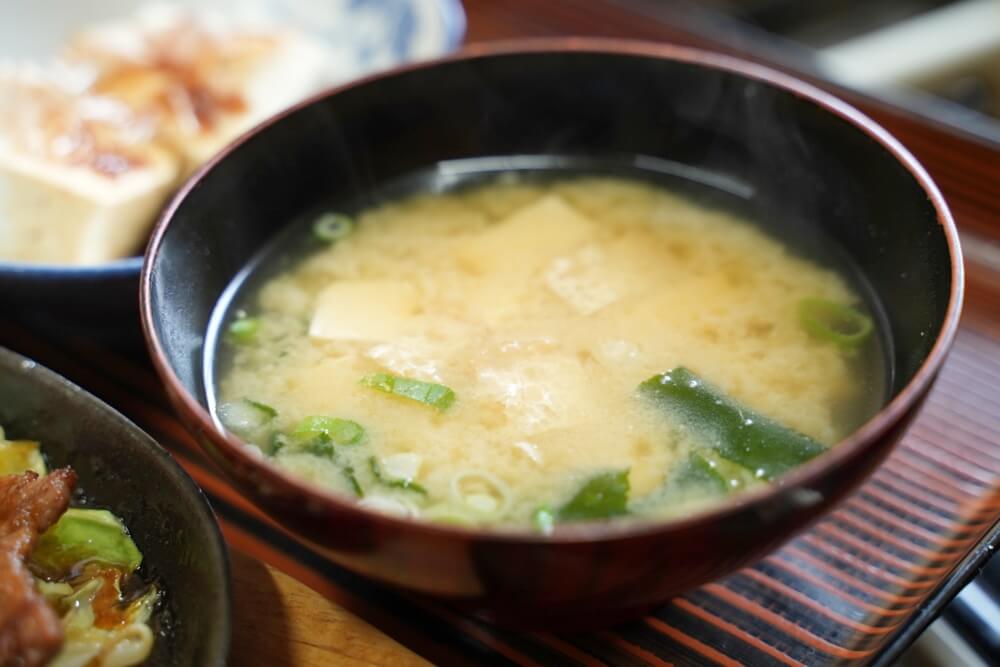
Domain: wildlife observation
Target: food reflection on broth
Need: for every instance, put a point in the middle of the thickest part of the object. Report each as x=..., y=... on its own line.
x=531, y=353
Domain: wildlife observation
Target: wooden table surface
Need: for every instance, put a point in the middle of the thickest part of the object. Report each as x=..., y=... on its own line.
x=317, y=617
x=279, y=621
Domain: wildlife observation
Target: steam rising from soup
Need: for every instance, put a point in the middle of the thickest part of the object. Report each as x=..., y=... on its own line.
x=528, y=354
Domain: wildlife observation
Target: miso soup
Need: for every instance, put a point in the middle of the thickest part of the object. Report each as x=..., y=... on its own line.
x=529, y=353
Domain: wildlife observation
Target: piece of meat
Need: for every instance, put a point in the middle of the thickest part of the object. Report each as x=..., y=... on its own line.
x=30, y=632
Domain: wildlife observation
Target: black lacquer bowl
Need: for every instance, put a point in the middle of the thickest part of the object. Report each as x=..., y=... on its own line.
x=794, y=156
x=122, y=469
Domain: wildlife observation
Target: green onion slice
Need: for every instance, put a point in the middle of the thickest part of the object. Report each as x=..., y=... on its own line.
x=405, y=484
x=428, y=393
x=835, y=322
x=322, y=447
x=278, y=441
x=263, y=408
x=353, y=480
x=319, y=436
x=246, y=417
x=331, y=429
x=331, y=227
x=544, y=520
x=243, y=330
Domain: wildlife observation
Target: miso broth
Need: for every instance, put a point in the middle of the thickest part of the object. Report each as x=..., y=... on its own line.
x=531, y=352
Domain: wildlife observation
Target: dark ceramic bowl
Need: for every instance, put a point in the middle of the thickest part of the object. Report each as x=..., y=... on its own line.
x=122, y=469
x=793, y=154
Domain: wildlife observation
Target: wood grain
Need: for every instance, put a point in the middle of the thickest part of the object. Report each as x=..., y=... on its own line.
x=278, y=621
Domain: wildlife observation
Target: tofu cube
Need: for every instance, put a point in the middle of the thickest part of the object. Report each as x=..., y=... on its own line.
x=366, y=310
x=528, y=239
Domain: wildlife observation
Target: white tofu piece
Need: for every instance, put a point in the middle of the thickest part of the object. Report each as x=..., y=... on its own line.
x=80, y=182
x=225, y=76
x=65, y=214
x=496, y=298
x=528, y=239
x=582, y=280
x=365, y=310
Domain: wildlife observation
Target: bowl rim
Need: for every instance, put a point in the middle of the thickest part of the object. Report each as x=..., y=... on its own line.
x=50, y=271
x=324, y=502
x=43, y=376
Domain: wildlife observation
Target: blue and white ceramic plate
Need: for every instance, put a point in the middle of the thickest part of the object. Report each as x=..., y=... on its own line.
x=374, y=33
x=366, y=36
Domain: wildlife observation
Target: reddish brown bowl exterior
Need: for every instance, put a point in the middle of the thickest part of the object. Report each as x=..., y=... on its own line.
x=585, y=574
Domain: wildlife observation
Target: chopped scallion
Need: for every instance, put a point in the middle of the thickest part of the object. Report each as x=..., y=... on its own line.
x=331, y=227
x=544, y=520
x=246, y=418
x=319, y=441
x=278, y=441
x=320, y=445
x=265, y=409
x=481, y=493
x=405, y=484
x=835, y=322
x=339, y=431
x=243, y=330
x=353, y=479
x=429, y=393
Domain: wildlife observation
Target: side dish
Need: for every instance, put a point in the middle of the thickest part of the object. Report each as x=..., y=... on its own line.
x=70, y=594
x=530, y=353
x=92, y=147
